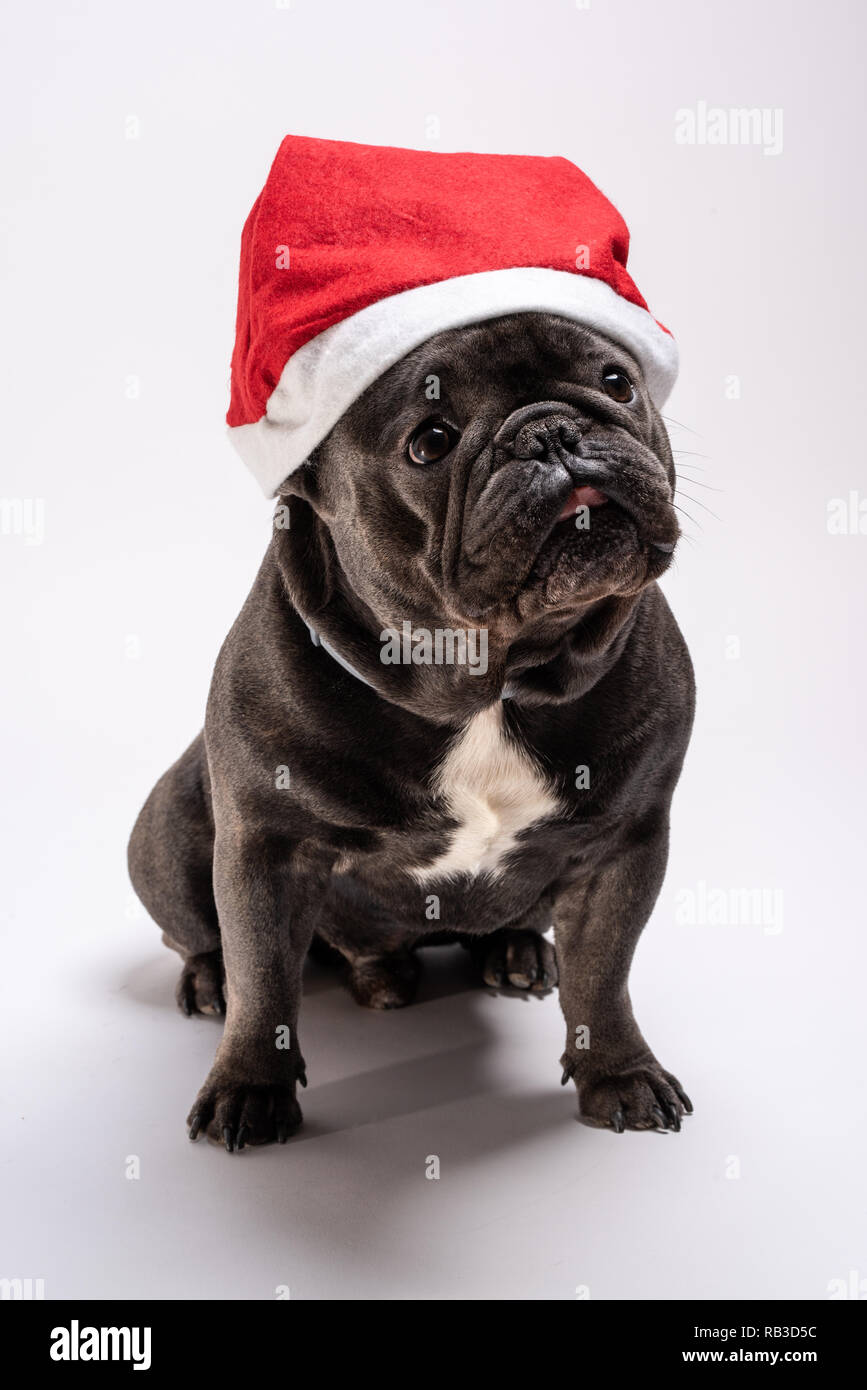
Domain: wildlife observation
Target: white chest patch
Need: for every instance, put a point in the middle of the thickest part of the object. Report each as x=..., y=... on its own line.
x=494, y=791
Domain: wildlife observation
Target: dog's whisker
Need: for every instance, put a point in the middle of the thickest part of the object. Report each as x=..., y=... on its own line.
x=698, y=503
x=685, y=513
x=670, y=420
x=697, y=482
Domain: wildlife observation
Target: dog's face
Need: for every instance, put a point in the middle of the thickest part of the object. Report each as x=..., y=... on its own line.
x=511, y=471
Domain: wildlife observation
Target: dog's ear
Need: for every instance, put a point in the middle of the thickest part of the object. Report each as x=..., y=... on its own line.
x=302, y=482
x=310, y=483
x=305, y=551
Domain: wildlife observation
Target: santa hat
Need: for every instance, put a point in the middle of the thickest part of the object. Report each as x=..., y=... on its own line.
x=354, y=254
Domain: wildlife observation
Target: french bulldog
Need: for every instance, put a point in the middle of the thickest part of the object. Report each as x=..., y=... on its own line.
x=454, y=707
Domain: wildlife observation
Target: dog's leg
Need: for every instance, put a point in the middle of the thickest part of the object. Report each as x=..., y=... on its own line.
x=380, y=967
x=266, y=902
x=596, y=926
x=171, y=854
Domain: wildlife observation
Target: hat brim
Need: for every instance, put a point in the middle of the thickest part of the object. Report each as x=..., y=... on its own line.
x=322, y=379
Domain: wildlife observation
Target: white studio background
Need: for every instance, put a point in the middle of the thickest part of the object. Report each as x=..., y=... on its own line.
x=135, y=138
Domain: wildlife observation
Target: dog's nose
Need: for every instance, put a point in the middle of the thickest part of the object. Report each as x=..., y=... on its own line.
x=539, y=431
x=546, y=438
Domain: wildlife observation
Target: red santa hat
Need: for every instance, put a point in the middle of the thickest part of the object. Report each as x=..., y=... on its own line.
x=354, y=254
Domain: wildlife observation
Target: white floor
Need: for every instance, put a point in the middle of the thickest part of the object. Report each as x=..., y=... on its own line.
x=529, y=1204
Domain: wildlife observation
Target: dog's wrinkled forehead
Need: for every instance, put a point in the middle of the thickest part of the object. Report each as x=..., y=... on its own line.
x=495, y=367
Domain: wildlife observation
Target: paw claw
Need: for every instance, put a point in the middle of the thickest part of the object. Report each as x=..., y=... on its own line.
x=638, y=1095
x=200, y=987
x=518, y=958
x=242, y=1114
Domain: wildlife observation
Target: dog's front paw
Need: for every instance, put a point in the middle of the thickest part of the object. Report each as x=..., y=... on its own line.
x=640, y=1095
x=237, y=1112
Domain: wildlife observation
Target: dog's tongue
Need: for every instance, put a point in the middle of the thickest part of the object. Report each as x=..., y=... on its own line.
x=585, y=496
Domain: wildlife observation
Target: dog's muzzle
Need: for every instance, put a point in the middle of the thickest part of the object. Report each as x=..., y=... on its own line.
x=598, y=466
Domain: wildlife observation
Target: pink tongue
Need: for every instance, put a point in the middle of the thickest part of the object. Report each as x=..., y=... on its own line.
x=585, y=496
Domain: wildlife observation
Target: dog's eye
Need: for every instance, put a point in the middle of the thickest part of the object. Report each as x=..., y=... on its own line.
x=431, y=442
x=618, y=386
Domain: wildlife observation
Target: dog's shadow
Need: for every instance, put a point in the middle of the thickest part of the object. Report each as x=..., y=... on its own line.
x=454, y=1038
x=389, y=1092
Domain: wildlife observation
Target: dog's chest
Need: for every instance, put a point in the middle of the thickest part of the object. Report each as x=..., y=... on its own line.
x=494, y=791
